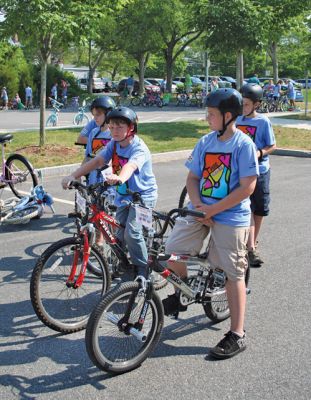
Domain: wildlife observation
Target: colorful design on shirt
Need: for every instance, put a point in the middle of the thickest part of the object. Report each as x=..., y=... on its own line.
x=216, y=173
x=248, y=130
x=117, y=163
x=99, y=143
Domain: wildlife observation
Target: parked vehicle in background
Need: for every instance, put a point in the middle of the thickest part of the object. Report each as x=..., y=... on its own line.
x=303, y=83
x=147, y=86
x=158, y=81
x=98, y=85
x=221, y=83
x=196, y=81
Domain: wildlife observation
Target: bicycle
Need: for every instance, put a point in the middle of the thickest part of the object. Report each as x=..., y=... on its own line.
x=151, y=98
x=81, y=117
x=17, y=172
x=21, y=211
x=125, y=326
x=53, y=117
x=59, y=266
x=183, y=99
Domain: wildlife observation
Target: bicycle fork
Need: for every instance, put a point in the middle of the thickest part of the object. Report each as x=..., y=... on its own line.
x=88, y=232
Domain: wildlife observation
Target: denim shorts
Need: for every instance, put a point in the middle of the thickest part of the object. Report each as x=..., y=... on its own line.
x=260, y=199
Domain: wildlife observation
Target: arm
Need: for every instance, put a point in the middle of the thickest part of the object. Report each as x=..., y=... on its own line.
x=97, y=163
x=81, y=139
x=193, y=189
x=265, y=150
x=125, y=174
x=246, y=188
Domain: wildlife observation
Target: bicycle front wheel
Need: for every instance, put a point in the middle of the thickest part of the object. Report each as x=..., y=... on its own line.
x=51, y=121
x=217, y=308
x=23, y=216
x=58, y=305
x=136, y=101
x=20, y=175
x=114, y=349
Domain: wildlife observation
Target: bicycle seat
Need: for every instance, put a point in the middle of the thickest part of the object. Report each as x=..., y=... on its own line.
x=5, y=138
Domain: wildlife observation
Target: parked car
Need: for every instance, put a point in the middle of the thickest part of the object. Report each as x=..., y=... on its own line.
x=98, y=85
x=196, y=81
x=221, y=83
x=147, y=86
x=158, y=81
x=231, y=80
x=303, y=83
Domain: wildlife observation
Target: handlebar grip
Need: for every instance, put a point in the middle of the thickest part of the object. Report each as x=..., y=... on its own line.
x=197, y=214
x=80, y=144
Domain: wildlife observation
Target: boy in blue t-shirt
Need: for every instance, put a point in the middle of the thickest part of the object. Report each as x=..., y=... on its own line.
x=222, y=175
x=132, y=169
x=259, y=129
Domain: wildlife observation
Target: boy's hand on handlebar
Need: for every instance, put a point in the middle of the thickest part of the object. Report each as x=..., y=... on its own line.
x=207, y=220
x=113, y=179
x=66, y=181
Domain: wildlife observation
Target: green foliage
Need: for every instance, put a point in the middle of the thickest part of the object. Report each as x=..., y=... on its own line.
x=15, y=72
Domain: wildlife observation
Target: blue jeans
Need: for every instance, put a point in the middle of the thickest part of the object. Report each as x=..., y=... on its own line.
x=132, y=235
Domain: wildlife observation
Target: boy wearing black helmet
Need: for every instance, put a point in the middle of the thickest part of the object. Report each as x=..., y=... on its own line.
x=105, y=103
x=222, y=175
x=132, y=169
x=259, y=129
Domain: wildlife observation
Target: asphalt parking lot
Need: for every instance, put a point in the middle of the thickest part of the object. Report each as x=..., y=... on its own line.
x=38, y=363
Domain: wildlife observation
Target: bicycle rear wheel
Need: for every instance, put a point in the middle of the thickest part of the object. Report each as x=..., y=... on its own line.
x=111, y=348
x=51, y=121
x=217, y=309
x=58, y=305
x=20, y=175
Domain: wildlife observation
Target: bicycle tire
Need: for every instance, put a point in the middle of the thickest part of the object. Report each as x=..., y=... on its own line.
x=159, y=103
x=14, y=171
x=100, y=346
x=159, y=218
x=71, y=313
x=23, y=216
x=183, y=198
x=136, y=101
x=217, y=308
x=51, y=121
x=7, y=205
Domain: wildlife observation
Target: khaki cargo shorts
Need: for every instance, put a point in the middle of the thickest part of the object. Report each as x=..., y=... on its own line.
x=227, y=245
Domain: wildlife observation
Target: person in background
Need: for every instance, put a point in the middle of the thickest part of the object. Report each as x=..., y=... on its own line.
x=28, y=97
x=291, y=92
x=130, y=85
x=214, y=85
x=64, y=88
x=54, y=91
x=254, y=79
x=4, y=98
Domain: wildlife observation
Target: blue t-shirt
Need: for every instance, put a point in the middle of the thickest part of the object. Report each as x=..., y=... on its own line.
x=220, y=166
x=88, y=128
x=277, y=90
x=130, y=81
x=291, y=90
x=260, y=130
x=142, y=180
x=97, y=140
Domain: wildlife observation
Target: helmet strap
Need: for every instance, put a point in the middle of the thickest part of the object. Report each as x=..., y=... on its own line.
x=224, y=125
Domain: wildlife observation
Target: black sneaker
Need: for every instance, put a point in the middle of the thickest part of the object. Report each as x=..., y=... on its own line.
x=254, y=258
x=229, y=346
x=172, y=305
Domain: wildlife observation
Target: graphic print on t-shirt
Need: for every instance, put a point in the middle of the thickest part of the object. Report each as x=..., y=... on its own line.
x=99, y=143
x=216, y=175
x=117, y=163
x=248, y=130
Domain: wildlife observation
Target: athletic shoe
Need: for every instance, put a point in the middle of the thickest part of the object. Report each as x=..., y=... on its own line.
x=254, y=258
x=229, y=346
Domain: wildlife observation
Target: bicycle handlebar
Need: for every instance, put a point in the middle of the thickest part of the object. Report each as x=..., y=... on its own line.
x=183, y=212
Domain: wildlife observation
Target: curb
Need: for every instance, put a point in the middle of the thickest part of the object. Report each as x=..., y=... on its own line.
x=158, y=158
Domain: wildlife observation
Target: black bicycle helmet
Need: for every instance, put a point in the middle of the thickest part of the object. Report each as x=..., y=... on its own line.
x=125, y=114
x=252, y=91
x=104, y=102
x=226, y=100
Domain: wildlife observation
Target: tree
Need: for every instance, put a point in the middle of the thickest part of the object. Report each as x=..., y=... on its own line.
x=178, y=28
x=283, y=17
x=234, y=27
x=43, y=24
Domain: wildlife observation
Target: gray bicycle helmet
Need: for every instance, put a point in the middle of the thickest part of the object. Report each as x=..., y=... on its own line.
x=226, y=100
x=104, y=102
x=125, y=114
x=252, y=91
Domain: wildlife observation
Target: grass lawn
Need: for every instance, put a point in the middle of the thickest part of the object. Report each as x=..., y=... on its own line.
x=160, y=137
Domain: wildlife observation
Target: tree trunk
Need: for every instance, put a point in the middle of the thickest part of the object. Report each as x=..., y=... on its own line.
x=42, y=102
x=141, y=62
x=239, y=69
x=169, y=58
x=91, y=70
x=274, y=59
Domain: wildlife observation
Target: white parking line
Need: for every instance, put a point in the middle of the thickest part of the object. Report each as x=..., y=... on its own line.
x=152, y=119
x=54, y=198
x=174, y=119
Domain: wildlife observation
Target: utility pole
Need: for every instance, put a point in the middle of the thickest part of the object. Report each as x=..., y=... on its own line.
x=306, y=101
x=207, y=64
